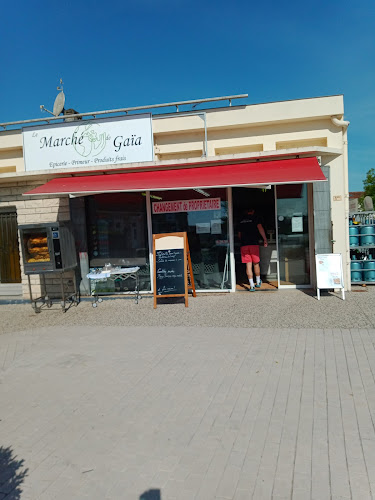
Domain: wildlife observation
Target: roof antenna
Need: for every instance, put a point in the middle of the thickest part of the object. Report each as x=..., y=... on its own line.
x=58, y=105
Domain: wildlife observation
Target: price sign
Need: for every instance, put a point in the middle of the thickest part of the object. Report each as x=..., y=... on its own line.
x=171, y=266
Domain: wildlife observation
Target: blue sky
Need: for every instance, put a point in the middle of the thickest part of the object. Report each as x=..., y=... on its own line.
x=118, y=53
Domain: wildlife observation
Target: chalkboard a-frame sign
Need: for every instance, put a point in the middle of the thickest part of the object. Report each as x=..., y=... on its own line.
x=171, y=264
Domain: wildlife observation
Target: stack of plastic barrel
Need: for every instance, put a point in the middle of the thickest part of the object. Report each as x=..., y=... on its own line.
x=362, y=243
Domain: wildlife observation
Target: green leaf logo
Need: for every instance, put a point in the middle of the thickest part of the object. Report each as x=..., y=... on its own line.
x=91, y=141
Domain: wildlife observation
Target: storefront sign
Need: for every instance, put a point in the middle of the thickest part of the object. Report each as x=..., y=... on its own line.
x=329, y=274
x=329, y=270
x=88, y=143
x=163, y=207
x=172, y=265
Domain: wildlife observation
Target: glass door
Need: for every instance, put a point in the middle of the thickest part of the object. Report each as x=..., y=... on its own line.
x=293, y=235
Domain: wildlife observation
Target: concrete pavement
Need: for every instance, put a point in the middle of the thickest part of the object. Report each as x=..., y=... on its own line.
x=262, y=309
x=195, y=412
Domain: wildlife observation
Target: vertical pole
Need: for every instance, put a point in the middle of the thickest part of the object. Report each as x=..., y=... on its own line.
x=30, y=291
x=137, y=286
x=154, y=270
x=342, y=277
x=205, y=146
x=310, y=230
x=277, y=238
x=62, y=291
x=205, y=136
x=75, y=286
x=346, y=208
x=232, y=265
x=185, y=266
x=225, y=272
x=190, y=268
x=150, y=240
x=44, y=285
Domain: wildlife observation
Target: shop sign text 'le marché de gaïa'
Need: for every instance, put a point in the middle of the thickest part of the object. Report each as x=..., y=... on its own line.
x=89, y=143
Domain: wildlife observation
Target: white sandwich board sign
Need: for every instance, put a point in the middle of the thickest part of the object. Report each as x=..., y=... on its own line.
x=329, y=272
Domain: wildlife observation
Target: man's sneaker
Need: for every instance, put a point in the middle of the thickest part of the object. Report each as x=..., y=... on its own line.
x=258, y=285
x=251, y=289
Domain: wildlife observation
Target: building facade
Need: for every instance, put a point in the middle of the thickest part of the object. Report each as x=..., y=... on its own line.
x=288, y=160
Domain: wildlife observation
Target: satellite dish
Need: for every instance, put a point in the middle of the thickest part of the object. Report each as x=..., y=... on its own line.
x=59, y=103
x=368, y=204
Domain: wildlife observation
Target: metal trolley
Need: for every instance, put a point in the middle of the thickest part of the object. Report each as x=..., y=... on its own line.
x=114, y=274
x=67, y=298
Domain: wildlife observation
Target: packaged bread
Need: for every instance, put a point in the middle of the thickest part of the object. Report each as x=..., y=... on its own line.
x=35, y=250
x=40, y=256
x=39, y=259
x=37, y=241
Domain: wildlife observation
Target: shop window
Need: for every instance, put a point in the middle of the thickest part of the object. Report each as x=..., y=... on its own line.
x=117, y=235
x=203, y=214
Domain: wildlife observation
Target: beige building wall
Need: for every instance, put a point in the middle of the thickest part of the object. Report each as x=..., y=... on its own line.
x=11, y=152
x=281, y=129
x=31, y=209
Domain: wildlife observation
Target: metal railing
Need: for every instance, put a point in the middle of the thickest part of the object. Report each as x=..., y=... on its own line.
x=94, y=114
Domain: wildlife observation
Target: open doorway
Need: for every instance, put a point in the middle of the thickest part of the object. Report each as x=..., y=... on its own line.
x=263, y=200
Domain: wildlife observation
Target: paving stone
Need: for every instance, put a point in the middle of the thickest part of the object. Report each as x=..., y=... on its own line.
x=200, y=413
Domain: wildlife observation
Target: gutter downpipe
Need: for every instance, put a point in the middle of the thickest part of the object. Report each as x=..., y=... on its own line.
x=338, y=122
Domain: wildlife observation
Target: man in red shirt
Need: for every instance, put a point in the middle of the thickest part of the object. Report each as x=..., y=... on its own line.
x=249, y=231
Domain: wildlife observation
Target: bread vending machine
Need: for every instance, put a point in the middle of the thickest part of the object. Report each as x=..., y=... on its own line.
x=48, y=248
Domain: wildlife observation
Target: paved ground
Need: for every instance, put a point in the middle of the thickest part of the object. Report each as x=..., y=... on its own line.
x=280, y=309
x=109, y=410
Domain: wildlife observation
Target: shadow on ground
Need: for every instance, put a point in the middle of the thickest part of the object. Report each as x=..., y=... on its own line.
x=150, y=495
x=12, y=474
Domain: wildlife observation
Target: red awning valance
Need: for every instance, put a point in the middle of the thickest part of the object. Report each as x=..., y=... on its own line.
x=292, y=171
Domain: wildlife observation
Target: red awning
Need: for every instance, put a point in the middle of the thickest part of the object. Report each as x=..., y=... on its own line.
x=292, y=171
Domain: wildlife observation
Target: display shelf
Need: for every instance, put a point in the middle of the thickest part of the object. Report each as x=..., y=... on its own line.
x=362, y=225
x=363, y=282
x=364, y=218
x=366, y=247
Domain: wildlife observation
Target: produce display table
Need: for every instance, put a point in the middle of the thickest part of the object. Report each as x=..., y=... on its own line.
x=114, y=274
